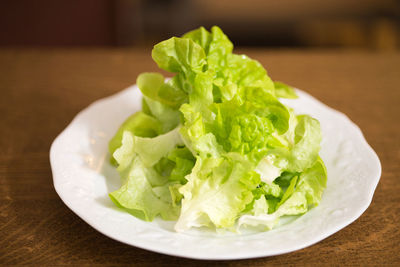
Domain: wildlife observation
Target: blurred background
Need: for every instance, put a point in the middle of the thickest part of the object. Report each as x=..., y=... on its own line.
x=365, y=24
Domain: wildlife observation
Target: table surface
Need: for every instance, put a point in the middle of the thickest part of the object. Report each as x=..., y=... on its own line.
x=43, y=89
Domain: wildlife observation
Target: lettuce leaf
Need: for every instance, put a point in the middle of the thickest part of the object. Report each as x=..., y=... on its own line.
x=139, y=124
x=214, y=146
x=284, y=91
x=303, y=193
x=303, y=147
x=216, y=191
x=167, y=95
x=143, y=191
x=138, y=197
x=179, y=55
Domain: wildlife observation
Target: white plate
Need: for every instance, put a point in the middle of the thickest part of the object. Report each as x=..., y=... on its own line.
x=83, y=178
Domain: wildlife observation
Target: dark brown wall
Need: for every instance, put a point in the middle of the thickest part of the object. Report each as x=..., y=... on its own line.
x=56, y=22
x=373, y=24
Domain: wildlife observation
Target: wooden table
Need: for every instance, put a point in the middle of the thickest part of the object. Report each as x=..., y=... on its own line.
x=42, y=90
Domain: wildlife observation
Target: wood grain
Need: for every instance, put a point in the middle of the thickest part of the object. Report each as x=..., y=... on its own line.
x=42, y=90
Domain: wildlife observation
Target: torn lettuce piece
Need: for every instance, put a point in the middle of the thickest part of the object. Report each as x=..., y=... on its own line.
x=260, y=206
x=184, y=162
x=215, y=44
x=267, y=171
x=144, y=192
x=168, y=117
x=218, y=189
x=166, y=94
x=179, y=55
x=303, y=193
x=138, y=197
x=138, y=124
x=303, y=149
x=284, y=91
x=150, y=150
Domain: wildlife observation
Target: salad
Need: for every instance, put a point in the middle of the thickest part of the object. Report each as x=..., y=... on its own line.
x=213, y=146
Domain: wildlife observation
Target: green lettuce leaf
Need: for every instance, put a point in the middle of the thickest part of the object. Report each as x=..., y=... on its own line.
x=144, y=192
x=218, y=189
x=179, y=55
x=304, y=146
x=183, y=161
x=216, y=45
x=303, y=193
x=150, y=150
x=201, y=37
x=169, y=118
x=167, y=95
x=284, y=91
x=139, y=124
x=138, y=197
